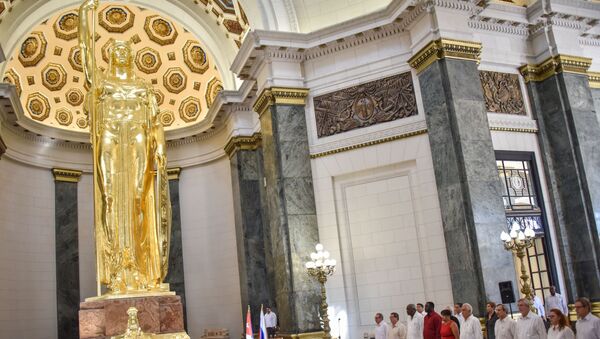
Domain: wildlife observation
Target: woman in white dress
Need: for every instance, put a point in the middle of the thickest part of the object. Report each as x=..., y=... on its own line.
x=559, y=326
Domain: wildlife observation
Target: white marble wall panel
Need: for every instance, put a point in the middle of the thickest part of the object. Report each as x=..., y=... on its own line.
x=212, y=284
x=393, y=226
x=27, y=254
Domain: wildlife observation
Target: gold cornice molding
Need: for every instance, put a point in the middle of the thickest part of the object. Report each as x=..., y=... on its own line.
x=594, y=78
x=237, y=143
x=279, y=95
x=554, y=65
x=173, y=173
x=369, y=143
x=445, y=48
x=66, y=175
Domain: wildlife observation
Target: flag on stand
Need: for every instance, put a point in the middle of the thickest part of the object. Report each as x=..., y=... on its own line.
x=263, y=324
x=248, y=325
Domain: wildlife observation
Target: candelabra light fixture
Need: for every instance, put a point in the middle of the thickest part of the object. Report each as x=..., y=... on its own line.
x=518, y=241
x=320, y=267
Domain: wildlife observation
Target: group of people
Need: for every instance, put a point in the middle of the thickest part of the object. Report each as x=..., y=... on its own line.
x=423, y=322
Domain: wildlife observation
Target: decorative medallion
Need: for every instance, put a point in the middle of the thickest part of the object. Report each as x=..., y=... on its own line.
x=160, y=97
x=75, y=58
x=171, y=56
x=160, y=30
x=502, y=93
x=30, y=80
x=136, y=39
x=166, y=118
x=116, y=19
x=175, y=80
x=57, y=100
x=233, y=26
x=54, y=77
x=33, y=49
x=197, y=85
x=212, y=89
x=195, y=57
x=148, y=60
x=190, y=109
x=82, y=123
x=364, y=105
x=64, y=116
x=38, y=106
x=66, y=26
x=13, y=78
x=57, y=51
x=74, y=97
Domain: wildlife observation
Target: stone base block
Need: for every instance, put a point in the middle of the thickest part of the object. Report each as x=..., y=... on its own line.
x=105, y=318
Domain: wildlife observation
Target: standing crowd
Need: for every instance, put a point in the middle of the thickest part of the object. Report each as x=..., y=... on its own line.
x=551, y=322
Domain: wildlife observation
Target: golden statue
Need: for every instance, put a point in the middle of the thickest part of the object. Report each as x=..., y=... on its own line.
x=132, y=211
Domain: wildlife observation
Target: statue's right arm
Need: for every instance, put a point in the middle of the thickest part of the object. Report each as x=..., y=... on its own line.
x=86, y=40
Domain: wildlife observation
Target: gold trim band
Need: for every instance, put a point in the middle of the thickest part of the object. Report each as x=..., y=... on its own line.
x=594, y=78
x=173, y=173
x=513, y=129
x=369, y=143
x=66, y=175
x=279, y=95
x=237, y=143
x=445, y=48
x=554, y=65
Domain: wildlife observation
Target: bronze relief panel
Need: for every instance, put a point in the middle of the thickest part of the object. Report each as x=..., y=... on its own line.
x=502, y=93
x=364, y=105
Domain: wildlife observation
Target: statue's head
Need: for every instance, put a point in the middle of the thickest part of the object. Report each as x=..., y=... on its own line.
x=121, y=54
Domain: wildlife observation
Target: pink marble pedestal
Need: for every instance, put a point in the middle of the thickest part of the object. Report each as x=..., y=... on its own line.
x=105, y=318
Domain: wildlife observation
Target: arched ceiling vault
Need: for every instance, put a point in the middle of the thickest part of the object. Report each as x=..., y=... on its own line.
x=187, y=63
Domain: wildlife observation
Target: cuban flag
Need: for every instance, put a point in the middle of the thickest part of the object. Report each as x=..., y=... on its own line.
x=263, y=324
x=248, y=325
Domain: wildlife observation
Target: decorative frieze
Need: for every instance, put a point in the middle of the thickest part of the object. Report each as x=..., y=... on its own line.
x=445, y=48
x=364, y=105
x=502, y=93
x=594, y=78
x=553, y=65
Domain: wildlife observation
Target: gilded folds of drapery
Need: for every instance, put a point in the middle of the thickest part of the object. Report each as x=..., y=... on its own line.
x=131, y=192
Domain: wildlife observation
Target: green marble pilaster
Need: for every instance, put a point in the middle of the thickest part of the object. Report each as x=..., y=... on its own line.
x=569, y=135
x=67, y=252
x=175, y=277
x=467, y=180
x=250, y=221
x=292, y=221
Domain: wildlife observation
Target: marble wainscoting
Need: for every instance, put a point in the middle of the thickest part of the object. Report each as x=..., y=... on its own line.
x=292, y=220
x=467, y=180
x=67, y=253
x=569, y=134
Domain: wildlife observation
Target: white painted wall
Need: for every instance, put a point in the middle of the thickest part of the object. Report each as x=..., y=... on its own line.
x=27, y=254
x=212, y=284
x=379, y=215
x=316, y=14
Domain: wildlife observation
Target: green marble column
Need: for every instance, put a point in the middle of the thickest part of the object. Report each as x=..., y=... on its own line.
x=465, y=170
x=569, y=134
x=67, y=252
x=250, y=219
x=292, y=221
x=175, y=277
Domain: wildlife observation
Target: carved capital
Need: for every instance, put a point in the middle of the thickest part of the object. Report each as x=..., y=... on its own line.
x=66, y=175
x=554, y=65
x=445, y=48
x=173, y=173
x=237, y=143
x=280, y=95
x=594, y=78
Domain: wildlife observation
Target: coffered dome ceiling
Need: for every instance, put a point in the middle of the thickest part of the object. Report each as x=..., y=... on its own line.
x=47, y=73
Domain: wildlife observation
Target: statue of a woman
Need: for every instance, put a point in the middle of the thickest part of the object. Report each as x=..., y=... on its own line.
x=131, y=191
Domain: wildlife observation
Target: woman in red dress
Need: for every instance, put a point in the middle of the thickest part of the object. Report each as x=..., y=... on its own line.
x=449, y=329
